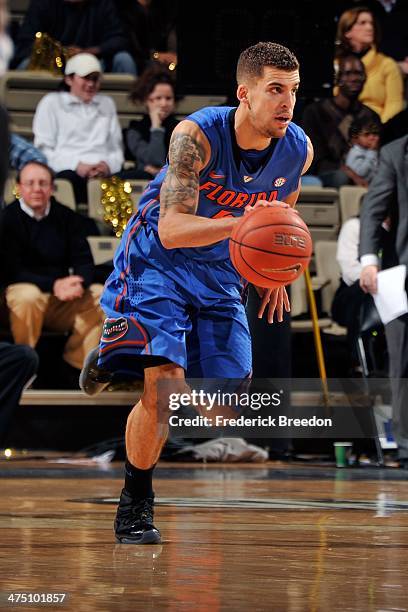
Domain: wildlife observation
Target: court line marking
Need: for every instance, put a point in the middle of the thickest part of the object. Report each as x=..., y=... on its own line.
x=262, y=504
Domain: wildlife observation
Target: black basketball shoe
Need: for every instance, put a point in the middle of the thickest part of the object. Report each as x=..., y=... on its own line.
x=93, y=380
x=134, y=521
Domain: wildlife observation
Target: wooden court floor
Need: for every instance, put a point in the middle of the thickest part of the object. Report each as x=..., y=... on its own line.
x=247, y=537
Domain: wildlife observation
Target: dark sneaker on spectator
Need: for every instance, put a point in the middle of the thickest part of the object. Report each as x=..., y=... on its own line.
x=134, y=521
x=93, y=380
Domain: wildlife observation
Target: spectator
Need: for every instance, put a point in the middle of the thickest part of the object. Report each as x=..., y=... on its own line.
x=349, y=297
x=84, y=26
x=362, y=159
x=150, y=27
x=148, y=139
x=392, y=16
x=21, y=152
x=47, y=268
x=388, y=195
x=358, y=33
x=327, y=123
x=78, y=130
x=18, y=365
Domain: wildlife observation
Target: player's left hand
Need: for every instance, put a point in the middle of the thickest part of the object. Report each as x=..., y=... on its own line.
x=277, y=300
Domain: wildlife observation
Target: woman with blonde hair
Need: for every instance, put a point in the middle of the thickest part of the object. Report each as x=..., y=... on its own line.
x=358, y=33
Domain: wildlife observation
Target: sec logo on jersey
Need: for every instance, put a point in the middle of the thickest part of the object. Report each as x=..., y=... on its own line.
x=278, y=182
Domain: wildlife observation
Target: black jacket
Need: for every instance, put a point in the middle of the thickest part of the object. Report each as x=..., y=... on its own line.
x=87, y=24
x=327, y=127
x=387, y=195
x=146, y=146
x=39, y=252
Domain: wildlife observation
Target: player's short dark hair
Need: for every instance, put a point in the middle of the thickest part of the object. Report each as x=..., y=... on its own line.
x=35, y=163
x=360, y=125
x=251, y=62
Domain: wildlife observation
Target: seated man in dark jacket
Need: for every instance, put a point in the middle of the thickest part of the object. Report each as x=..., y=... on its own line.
x=47, y=268
x=90, y=26
x=327, y=124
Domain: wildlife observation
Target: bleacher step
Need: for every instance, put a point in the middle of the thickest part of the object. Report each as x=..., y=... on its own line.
x=33, y=397
x=47, y=397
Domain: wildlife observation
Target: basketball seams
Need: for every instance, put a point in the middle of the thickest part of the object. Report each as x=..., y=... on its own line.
x=278, y=281
x=277, y=225
x=285, y=233
x=280, y=225
x=249, y=246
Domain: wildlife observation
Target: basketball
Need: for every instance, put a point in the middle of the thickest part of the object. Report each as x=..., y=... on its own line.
x=271, y=246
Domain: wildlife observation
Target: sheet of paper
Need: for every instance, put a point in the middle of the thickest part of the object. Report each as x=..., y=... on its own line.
x=391, y=298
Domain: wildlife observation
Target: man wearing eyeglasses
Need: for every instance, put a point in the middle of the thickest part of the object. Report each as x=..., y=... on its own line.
x=78, y=129
x=47, y=268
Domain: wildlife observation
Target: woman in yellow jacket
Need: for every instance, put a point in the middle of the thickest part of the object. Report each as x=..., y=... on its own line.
x=358, y=33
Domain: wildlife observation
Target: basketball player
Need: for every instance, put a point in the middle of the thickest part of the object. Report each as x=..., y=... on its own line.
x=173, y=301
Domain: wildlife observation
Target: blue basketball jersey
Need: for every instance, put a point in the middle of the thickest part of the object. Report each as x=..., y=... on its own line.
x=185, y=304
x=226, y=186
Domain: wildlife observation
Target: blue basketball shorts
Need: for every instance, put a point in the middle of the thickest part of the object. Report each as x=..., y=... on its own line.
x=162, y=303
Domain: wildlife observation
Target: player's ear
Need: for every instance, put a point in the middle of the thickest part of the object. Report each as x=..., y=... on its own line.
x=242, y=93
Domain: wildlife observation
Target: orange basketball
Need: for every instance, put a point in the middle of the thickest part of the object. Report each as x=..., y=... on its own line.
x=271, y=246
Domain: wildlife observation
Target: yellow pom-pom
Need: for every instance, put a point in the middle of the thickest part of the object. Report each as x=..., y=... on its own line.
x=117, y=203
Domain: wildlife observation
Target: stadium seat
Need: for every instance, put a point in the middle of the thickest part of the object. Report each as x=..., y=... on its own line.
x=319, y=208
x=9, y=195
x=64, y=193
x=103, y=248
x=21, y=90
x=326, y=281
x=328, y=276
x=351, y=197
x=299, y=307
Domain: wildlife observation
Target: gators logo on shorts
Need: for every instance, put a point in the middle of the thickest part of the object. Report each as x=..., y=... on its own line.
x=113, y=329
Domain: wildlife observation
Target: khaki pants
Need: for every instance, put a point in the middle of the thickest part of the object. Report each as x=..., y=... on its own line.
x=30, y=310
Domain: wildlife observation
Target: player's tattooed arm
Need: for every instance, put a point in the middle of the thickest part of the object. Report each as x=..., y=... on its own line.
x=179, y=225
x=187, y=156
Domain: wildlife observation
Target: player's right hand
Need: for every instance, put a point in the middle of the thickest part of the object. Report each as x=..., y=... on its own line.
x=368, y=279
